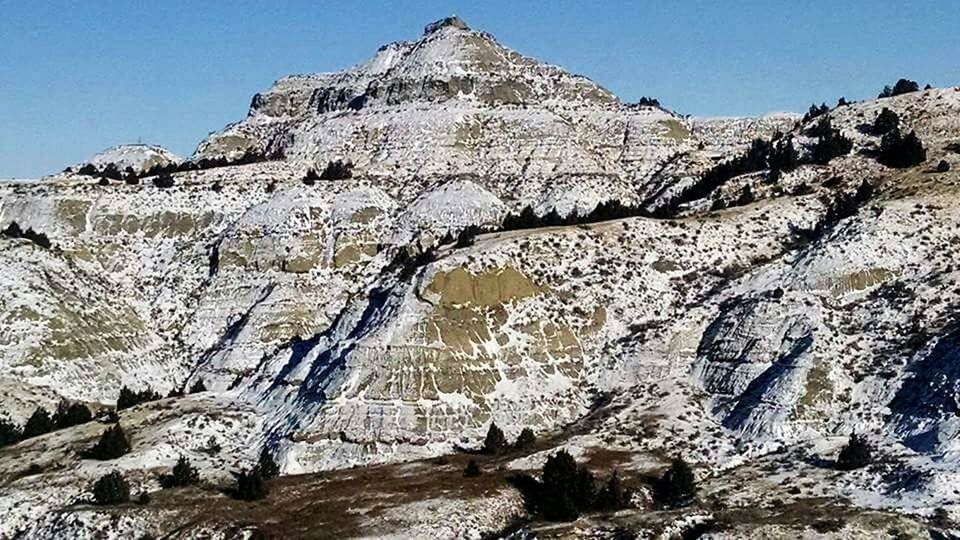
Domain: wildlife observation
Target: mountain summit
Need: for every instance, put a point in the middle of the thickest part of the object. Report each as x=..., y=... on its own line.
x=450, y=65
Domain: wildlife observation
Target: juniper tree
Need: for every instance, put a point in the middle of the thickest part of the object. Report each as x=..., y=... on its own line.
x=38, y=424
x=677, y=485
x=613, y=495
x=886, y=121
x=10, y=433
x=250, y=485
x=900, y=152
x=198, y=387
x=268, y=466
x=113, y=443
x=525, y=440
x=111, y=488
x=567, y=489
x=183, y=474
x=71, y=414
x=495, y=442
x=472, y=470
x=856, y=454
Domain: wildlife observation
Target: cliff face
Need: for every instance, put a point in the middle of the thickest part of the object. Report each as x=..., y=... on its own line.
x=330, y=320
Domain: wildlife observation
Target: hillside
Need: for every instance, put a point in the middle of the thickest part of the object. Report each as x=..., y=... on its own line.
x=504, y=242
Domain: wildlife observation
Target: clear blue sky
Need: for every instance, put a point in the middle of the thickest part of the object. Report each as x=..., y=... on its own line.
x=79, y=76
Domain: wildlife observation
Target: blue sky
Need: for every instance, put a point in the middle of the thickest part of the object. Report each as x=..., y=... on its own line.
x=77, y=77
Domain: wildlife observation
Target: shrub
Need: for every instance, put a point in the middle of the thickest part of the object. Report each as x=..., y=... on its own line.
x=903, y=86
x=900, y=152
x=103, y=181
x=113, y=443
x=495, y=442
x=38, y=424
x=677, y=486
x=271, y=186
x=472, y=470
x=268, y=466
x=886, y=121
x=250, y=485
x=183, y=474
x=111, y=488
x=943, y=166
x=337, y=170
x=856, y=454
x=525, y=440
x=71, y=414
x=10, y=433
x=842, y=102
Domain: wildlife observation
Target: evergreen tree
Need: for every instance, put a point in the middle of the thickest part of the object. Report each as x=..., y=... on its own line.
x=856, y=454
x=900, y=152
x=183, y=474
x=111, y=488
x=103, y=181
x=472, y=470
x=250, y=485
x=71, y=414
x=525, y=440
x=495, y=442
x=113, y=443
x=38, y=424
x=268, y=467
x=678, y=485
x=10, y=433
x=886, y=121
x=943, y=166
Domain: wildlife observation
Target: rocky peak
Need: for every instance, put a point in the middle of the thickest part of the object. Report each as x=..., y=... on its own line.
x=453, y=22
